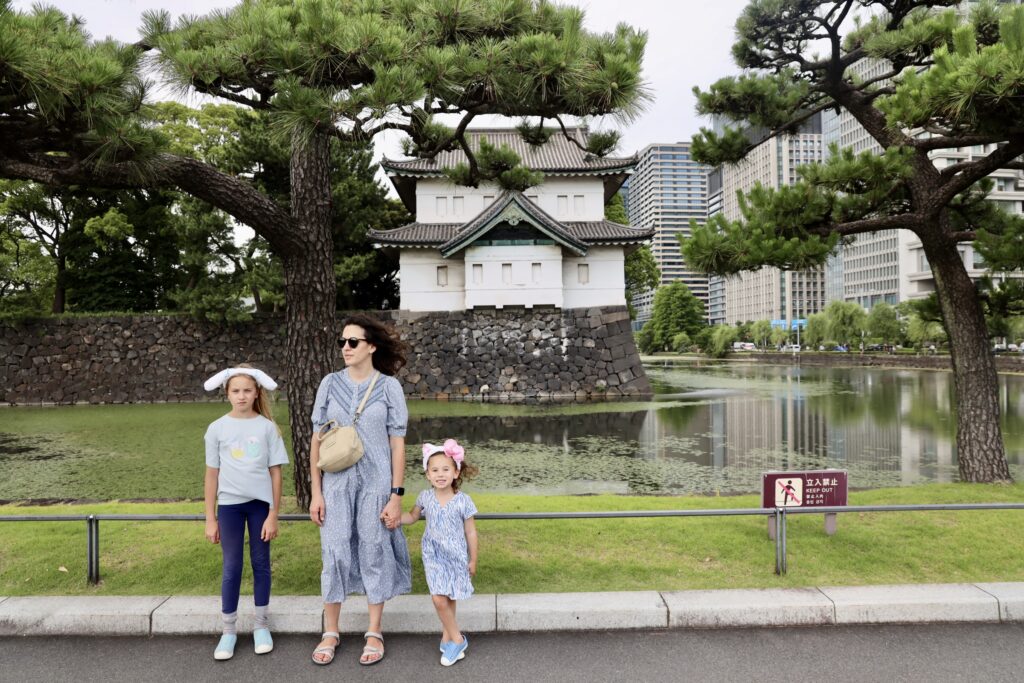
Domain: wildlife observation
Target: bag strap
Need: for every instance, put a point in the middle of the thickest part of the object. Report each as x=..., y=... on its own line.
x=359, y=410
x=322, y=432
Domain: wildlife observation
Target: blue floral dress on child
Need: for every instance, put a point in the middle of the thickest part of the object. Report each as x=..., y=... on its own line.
x=445, y=554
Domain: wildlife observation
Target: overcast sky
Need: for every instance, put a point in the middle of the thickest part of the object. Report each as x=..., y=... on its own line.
x=689, y=42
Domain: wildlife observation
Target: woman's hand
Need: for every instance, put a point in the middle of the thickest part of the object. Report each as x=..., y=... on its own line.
x=212, y=531
x=269, y=527
x=472, y=567
x=392, y=513
x=316, y=510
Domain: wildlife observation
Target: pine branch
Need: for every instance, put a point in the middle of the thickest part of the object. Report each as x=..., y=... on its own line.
x=227, y=94
x=951, y=140
x=570, y=138
x=226, y=192
x=973, y=171
x=905, y=221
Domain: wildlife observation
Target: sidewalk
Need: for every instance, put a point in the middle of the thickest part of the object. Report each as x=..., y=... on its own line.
x=170, y=615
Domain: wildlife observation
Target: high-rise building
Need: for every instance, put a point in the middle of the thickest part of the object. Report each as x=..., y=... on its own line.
x=770, y=293
x=666, y=191
x=890, y=265
x=716, y=283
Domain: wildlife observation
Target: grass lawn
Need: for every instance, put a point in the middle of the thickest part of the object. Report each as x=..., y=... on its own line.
x=516, y=556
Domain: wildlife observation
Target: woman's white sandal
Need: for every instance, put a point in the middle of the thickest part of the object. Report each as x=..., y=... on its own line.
x=371, y=650
x=327, y=650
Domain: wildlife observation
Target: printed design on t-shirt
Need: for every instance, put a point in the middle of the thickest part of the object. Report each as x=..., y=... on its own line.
x=250, y=447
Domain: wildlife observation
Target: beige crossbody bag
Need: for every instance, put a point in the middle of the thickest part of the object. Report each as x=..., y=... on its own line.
x=340, y=447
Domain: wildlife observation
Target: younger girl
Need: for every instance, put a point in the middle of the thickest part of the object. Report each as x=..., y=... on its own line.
x=244, y=454
x=449, y=541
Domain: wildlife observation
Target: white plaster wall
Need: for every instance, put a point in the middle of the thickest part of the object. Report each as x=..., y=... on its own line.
x=418, y=288
x=565, y=199
x=607, y=285
x=523, y=286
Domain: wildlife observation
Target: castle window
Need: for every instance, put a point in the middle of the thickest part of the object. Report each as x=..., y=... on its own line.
x=442, y=276
x=577, y=204
x=457, y=205
x=478, y=274
x=583, y=273
x=506, y=273
x=563, y=204
x=442, y=206
x=535, y=270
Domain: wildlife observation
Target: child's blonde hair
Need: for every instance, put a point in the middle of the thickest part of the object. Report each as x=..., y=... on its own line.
x=262, y=404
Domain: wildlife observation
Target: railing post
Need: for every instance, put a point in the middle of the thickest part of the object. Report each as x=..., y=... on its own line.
x=782, y=535
x=777, y=537
x=92, y=526
x=779, y=517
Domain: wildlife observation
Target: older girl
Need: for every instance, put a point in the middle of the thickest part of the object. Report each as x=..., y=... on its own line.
x=244, y=455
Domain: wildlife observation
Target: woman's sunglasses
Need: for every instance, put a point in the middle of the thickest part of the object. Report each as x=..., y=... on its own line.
x=353, y=342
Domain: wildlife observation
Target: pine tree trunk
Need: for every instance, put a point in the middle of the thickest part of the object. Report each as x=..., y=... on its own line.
x=981, y=456
x=310, y=315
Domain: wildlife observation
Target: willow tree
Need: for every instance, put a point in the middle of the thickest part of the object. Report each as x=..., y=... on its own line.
x=948, y=80
x=73, y=112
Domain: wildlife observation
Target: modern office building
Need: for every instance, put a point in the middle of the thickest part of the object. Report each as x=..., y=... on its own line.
x=890, y=265
x=716, y=283
x=667, y=190
x=770, y=293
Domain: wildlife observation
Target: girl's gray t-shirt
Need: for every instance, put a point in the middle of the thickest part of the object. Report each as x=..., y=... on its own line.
x=244, y=450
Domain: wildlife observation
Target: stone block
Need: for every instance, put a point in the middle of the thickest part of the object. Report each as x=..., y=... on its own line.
x=580, y=611
x=1010, y=597
x=922, y=603
x=184, y=615
x=748, y=608
x=76, y=614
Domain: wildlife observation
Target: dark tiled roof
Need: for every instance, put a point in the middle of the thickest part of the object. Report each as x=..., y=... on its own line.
x=417, y=234
x=557, y=155
x=436, y=234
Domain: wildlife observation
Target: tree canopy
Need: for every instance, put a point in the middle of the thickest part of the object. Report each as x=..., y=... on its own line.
x=675, y=310
x=949, y=80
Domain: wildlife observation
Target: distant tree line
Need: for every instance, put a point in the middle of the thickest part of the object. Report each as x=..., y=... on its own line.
x=678, y=324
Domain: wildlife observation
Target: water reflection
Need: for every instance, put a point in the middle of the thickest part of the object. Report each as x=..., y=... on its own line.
x=723, y=425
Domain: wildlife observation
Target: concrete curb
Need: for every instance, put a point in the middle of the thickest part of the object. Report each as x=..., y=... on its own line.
x=1010, y=597
x=772, y=607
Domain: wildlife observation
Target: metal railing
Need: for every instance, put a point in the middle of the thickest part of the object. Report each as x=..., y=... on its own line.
x=778, y=514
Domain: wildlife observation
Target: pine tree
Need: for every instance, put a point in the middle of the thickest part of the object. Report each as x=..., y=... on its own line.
x=954, y=80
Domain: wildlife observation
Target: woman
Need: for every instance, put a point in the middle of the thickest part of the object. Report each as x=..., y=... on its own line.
x=359, y=510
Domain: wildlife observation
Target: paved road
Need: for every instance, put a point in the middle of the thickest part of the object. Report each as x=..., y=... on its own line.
x=861, y=654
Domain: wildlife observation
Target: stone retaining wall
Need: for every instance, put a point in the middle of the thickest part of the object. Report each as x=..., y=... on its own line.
x=512, y=355
x=1005, y=362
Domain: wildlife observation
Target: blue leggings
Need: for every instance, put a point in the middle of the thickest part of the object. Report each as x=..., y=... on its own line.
x=232, y=520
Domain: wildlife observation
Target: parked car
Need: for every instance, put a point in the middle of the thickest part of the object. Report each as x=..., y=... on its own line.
x=791, y=347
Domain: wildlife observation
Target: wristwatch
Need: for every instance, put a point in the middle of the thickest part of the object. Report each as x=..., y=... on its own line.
x=398, y=491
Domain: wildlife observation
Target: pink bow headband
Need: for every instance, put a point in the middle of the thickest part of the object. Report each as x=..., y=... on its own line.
x=451, y=448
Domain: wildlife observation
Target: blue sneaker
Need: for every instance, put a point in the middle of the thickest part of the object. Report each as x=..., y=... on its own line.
x=226, y=647
x=454, y=651
x=262, y=640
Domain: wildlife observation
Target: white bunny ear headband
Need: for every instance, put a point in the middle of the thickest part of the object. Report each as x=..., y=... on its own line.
x=222, y=377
